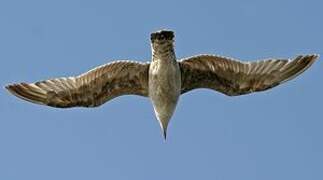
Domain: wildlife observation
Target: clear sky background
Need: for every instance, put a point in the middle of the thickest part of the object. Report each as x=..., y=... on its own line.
x=275, y=134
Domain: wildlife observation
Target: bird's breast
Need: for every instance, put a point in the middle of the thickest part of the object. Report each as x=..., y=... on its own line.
x=164, y=87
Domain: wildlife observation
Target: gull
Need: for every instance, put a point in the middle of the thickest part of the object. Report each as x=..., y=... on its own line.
x=162, y=80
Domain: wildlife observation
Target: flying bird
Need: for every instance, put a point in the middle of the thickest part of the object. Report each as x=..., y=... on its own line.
x=162, y=80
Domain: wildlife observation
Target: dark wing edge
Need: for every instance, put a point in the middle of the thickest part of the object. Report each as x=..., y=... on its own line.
x=90, y=89
x=233, y=77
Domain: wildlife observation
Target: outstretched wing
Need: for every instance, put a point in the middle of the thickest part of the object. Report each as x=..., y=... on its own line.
x=89, y=89
x=233, y=77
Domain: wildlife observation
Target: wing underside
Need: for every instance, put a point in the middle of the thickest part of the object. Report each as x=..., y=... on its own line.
x=89, y=89
x=233, y=77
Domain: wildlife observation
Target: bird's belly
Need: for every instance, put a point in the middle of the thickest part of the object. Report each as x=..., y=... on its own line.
x=164, y=89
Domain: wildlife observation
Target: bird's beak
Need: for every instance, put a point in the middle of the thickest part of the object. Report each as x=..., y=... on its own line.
x=164, y=133
x=163, y=122
x=163, y=126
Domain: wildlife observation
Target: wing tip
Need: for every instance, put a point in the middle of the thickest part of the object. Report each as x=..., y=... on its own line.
x=315, y=56
x=9, y=88
x=17, y=89
x=12, y=88
x=311, y=57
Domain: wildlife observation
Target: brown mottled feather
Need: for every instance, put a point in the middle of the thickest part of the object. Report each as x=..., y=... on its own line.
x=233, y=77
x=89, y=89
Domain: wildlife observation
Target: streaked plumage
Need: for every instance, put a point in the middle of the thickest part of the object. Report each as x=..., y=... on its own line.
x=233, y=77
x=163, y=80
x=90, y=89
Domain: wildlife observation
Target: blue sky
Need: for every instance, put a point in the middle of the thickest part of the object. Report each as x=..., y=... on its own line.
x=276, y=134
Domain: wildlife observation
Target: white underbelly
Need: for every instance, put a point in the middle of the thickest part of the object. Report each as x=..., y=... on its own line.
x=164, y=89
